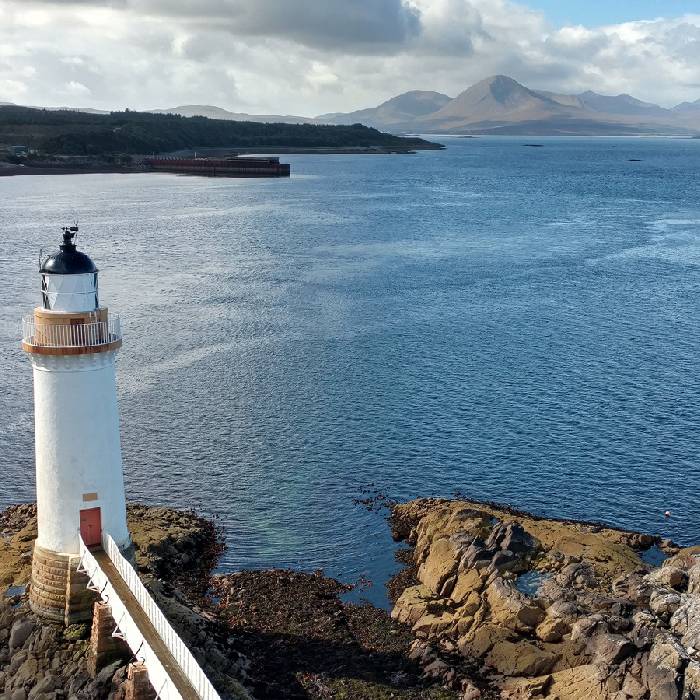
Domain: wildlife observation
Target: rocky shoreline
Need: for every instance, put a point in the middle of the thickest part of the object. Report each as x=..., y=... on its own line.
x=491, y=603
x=547, y=608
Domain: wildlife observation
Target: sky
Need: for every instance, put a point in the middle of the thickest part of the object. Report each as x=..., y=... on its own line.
x=308, y=57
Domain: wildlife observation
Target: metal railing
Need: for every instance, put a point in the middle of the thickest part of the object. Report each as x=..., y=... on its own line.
x=127, y=628
x=68, y=336
x=183, y=656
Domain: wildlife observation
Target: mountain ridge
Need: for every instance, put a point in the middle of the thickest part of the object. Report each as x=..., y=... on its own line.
x=498, y=104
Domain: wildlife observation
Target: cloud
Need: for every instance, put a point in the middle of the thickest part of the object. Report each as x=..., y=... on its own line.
x=308, y=57
x=74, y=88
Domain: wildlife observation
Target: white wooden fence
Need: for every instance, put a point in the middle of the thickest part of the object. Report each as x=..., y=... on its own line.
x=158, y=676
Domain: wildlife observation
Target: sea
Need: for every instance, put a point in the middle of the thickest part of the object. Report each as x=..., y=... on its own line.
x=510, y=319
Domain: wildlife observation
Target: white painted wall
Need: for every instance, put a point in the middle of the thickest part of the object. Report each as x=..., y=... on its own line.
x=70, y=292
x=77, y=446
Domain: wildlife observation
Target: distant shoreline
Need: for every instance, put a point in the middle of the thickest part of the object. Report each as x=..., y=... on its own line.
x=12, y=170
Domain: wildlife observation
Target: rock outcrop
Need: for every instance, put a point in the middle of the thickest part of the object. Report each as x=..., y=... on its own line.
x=545, y=608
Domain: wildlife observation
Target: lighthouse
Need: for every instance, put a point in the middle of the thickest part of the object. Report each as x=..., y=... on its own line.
x=73, y=342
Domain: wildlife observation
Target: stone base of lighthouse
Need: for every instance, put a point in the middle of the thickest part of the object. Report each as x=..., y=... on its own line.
x=58, y=590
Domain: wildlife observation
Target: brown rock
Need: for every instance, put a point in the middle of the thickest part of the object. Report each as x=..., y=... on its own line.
x=694, y=579
x=482, y=638
x=520, y=659
x=664, y=603
x=691, y=690
x=686, y=621
x=666, y=652
x=470, y=691
x=580, y=683
x=552, y=629
x=633, y=687
x=412, y=604
x=565, y=610
x=431, y=624
x=510, y=608
x=671, y=576
x=439, y=565
x=467, y=582
x=610, y=649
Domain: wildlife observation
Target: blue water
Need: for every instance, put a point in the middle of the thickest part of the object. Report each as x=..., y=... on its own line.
x=517, y=323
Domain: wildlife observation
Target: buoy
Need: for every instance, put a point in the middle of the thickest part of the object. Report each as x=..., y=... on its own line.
x=667, y=514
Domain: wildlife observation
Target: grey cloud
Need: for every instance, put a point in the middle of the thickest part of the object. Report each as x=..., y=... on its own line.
x=366, y=26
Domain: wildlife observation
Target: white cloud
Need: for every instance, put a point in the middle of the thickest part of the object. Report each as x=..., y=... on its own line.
x=12, y=90
x=308, y=57
x=76, y=89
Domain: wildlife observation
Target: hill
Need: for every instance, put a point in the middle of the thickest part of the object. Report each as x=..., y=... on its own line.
x=399, y=112
x=81, y=133
x=213, y=112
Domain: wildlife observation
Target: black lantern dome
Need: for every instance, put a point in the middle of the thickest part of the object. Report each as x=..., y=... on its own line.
x=69, y=260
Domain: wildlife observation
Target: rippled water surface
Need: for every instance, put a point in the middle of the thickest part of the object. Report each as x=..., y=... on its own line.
x=519, y=324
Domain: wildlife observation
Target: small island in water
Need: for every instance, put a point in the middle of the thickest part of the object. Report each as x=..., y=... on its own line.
x=490, y=602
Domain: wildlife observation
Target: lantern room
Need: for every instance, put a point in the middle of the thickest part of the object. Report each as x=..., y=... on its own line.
x=69, y=278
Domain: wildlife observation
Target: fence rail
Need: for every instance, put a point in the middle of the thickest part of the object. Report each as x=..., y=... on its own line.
x=68, y=336
x=181, y=654
x=158, y=676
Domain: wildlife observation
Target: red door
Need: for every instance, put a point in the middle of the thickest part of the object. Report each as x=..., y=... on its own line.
x=91, y=526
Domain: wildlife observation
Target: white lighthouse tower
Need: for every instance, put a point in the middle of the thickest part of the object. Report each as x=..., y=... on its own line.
x=73, y=342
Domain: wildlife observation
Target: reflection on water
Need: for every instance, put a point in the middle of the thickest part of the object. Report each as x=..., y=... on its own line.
x=519, y=324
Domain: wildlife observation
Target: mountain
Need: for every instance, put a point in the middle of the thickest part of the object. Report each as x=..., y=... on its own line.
x=688, y=107
x=501, y=105
x=499, y=99
x=213, y=112
x=397, y=113
x=621, y=104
